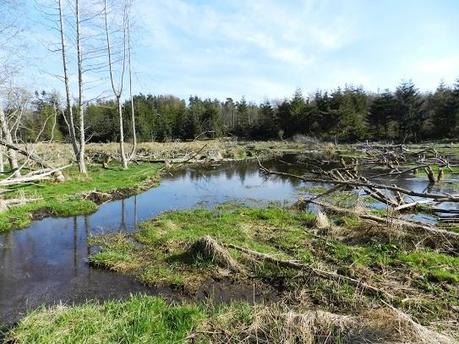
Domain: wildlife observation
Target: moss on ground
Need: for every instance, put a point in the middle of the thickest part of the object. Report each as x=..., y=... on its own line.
x=65, y=199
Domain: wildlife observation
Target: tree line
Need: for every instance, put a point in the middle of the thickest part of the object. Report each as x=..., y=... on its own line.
x=344, y=114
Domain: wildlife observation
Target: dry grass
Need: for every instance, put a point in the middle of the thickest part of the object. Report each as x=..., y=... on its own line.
x=208, y=249
x=322, y=221
x=279, y=324
x=61, y=154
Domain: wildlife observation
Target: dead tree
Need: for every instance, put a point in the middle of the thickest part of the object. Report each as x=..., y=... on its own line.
x=80, y=107
x=117, y=89
x=78, y=143
x=370, y=185
x=9, y=32
x=129, y=46
x=12, y=156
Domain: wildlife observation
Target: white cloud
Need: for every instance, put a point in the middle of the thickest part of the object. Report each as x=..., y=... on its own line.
x=267, y=48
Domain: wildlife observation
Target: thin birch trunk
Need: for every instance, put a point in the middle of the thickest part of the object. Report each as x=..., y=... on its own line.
x=117, y=92
x=81, y=158
x=134, y=133
x=71, y=123
x=2, y=165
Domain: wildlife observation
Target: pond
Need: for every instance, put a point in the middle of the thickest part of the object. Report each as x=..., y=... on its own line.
x=46, y=263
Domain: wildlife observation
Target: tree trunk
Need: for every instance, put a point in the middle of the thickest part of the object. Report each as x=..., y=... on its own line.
x=81, y=159
x=134, y=134
x=69, y=109
x=120, y=114
x=12, y=156
x=2, y=165
x=117, y=92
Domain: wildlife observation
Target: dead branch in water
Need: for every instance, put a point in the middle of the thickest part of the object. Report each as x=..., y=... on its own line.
x=366, y=184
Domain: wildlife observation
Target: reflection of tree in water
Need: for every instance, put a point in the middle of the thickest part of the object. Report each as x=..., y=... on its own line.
x=5, y=248
x=123, y=226
x=135, y=212
x=242, y=171
x=87, y=231
x=229, y=173
x=75, y=245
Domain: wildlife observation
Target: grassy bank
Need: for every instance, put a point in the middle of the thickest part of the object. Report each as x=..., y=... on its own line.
x=144, y=319
x=72, y=196
x=307, y=309
x=423, y=281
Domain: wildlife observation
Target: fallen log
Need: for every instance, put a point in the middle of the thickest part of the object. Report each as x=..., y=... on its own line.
x=5, y=204
x=411, y=205
x=32, y=156
x=34, y=177
x=418, y=227
x=292, y=264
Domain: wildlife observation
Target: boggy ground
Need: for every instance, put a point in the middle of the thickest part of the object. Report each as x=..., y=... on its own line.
x=408, y=280
x=81, y=194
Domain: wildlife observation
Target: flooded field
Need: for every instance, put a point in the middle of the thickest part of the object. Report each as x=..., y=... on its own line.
x=47, y=263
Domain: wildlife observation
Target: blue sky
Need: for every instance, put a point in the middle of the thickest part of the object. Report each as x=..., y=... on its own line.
x=266, y=48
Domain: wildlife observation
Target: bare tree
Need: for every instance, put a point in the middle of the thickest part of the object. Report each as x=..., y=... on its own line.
x=6, y=131
x=81, y=160
x=117, y=89
x=77, y=145
x=9, y=31
x=134, y=134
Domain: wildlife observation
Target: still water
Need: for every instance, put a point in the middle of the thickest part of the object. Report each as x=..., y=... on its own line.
x=46, y=263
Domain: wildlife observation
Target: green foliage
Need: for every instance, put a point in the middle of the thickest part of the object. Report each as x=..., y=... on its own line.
x=344, y=114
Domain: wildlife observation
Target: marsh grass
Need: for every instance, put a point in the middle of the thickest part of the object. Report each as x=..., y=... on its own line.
x=158, y=254
x=146, y=319
x=66, y=199
x=140, y=319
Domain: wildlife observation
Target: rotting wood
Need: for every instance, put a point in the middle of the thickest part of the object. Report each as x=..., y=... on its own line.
x=411, y=205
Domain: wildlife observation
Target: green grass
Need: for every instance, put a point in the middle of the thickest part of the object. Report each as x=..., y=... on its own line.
x=140, y=319
x=434, y=266
x=64, y=199
x=146, y=319
x=158, y=255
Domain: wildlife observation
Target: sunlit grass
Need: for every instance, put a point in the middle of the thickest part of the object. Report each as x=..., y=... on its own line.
x=65, y=199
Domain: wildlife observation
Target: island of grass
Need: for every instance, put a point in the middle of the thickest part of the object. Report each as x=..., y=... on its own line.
x=386, y=278
x=79, y=194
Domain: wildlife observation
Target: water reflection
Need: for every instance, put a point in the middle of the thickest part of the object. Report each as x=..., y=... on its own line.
x=47, y=262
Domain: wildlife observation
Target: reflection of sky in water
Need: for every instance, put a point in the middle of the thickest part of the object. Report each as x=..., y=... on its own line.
x=47, y=262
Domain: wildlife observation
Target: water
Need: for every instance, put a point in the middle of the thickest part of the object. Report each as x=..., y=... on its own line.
x=46, y=263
